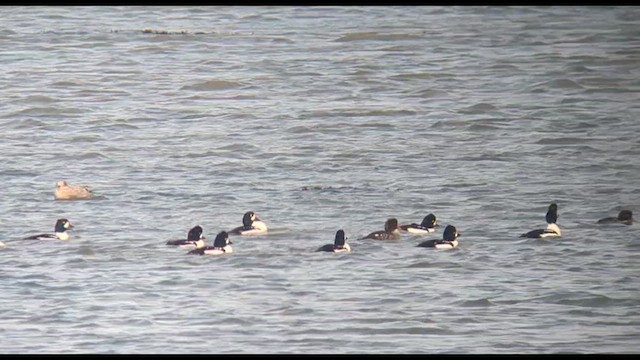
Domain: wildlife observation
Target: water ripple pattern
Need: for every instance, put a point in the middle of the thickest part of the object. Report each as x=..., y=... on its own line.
x=319, y=119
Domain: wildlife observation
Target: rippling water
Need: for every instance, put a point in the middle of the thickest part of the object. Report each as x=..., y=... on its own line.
x=194, y=115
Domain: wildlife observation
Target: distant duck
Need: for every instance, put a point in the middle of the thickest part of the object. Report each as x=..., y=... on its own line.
x=2, y=244
x=251, y=225
x=221, y=245
x=339, y=244
x=391, y=231
x=552, y=229
x=62, y=225
x=195, y=239
x=449, y=239
x=64, y=191
x=624, y=217
x=427, y=226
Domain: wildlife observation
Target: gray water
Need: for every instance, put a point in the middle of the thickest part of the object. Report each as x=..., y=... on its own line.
x=195, y=115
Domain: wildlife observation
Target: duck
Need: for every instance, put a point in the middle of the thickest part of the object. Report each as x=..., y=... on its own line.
x=221, y=245
x=62, y=225
x=427, y=226
x=449, y=239
x=391, y=231
x=251, y=225
x=64, y=191
x=195, y=239
x=552, y=230
x=624, y=217
x=339, y=244
x=2, y=244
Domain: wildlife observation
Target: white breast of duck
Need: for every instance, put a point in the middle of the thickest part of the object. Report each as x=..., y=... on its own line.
x=191, y=244
x=218, y=250
x=419, y=230
x=257, y=228
x=552, y=230
x=344, y=248
x=444, y=245
x=62, y=235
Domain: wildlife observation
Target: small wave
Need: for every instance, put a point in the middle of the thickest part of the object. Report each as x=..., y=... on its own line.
x=205, y=154
x=483, y=127
x=480, y=107
x=300, y=129
x=432, y=93
x=375, y=36
x=92, y=155
x=86, y=138
x=446, y=123
x=561, y=141
x=505, y=67
x=376, y=126
x=577, y=68
x=212, y=85
x=86, y=250
x=484, y=302
x=24, y=124
x=558, y=84
x=411, y=76
x=117, y=126
x=356, y=113
x=39, y=99
x=66, y=83
x=50, y=111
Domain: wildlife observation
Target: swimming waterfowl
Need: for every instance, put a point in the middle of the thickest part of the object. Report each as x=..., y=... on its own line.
x=552, y=230
x=339, y=244
x=195, y=239
x=427, y=226
x=251, y=225
x=64, y=191
x=624, y=217
x=391, y=231
x=449, y=239
x=221, y=245
x=60, y=232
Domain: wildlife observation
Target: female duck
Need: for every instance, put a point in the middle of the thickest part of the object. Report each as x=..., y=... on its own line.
x=64, y=191
x=391, y=231
x=624, y=217
x=449, y=239
x=195, y=239
x=427, y=226
x=552, y=229
x=221, y=245
x=251, y=225
x=339, y=244
x=62, y=225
